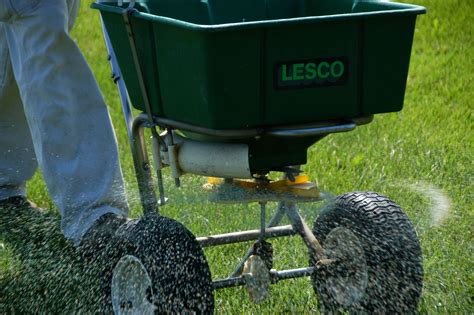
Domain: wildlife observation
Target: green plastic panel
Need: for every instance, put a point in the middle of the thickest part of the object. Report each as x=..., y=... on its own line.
x=236, y=64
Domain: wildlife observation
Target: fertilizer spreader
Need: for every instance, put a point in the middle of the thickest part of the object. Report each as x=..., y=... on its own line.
x=234, y=90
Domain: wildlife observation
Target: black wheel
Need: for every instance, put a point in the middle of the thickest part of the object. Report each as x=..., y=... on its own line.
x=160, y=269
x=378, y=264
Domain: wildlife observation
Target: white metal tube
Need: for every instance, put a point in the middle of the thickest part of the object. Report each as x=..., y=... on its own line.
x=227, y=160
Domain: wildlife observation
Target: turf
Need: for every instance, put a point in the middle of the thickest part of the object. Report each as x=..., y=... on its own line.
x=421, y=157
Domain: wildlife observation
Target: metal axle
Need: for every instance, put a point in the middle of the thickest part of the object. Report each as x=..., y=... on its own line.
x=275, y=276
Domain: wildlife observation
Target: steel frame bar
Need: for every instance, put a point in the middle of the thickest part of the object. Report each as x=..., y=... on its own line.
x=228, y=282
x=275, y=276
x=263, y=207
x=299, y=225
x=292, y=273
x=294, y=131
x=142, y=167
x=244, y=236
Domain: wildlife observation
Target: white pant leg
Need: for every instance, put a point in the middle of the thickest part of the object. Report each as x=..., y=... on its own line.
x=70, y=126
x=17, y=157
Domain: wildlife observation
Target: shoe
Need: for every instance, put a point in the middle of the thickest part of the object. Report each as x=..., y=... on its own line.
x=21, y=220
x=24, y=225
x=100, y=249
x=101, y=238
x=18, y=204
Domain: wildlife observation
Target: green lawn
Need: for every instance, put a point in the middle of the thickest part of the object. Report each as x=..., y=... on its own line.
x=421, y=157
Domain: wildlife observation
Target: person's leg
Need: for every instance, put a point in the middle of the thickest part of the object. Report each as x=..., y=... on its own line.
x=17, y=157
x=71, y=129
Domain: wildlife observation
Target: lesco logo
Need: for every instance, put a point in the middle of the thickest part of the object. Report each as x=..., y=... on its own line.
x=318, y=72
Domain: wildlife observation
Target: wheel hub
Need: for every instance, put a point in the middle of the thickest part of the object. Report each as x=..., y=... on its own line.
x=131, y=288
x=257, y=278
x=348, y=278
